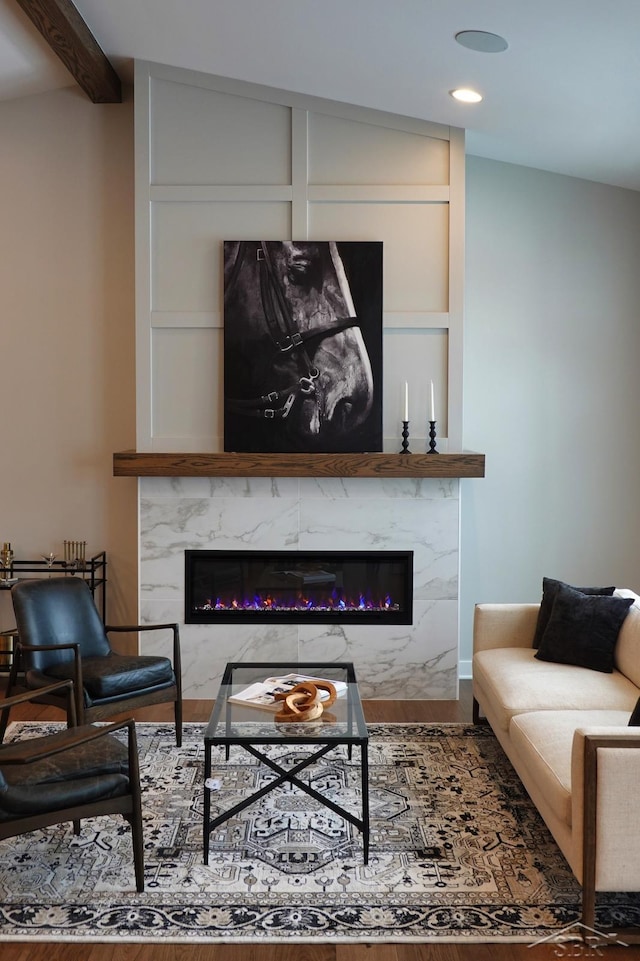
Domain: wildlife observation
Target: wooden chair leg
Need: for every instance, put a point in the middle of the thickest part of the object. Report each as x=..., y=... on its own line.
x=589, y=907
x=4, y=718
x=138, y=849
x=589, y=851
x=11, y=683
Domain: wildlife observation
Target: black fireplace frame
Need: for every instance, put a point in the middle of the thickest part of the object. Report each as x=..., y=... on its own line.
x=370, y=616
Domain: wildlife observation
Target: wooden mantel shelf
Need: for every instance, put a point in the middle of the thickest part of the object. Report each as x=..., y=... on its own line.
x=141, y=464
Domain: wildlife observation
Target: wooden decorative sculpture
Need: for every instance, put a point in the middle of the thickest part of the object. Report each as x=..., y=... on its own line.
x=303, y=702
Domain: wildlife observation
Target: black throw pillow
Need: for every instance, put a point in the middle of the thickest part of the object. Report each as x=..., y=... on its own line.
x=549, y=591
x=583, y=629
x=634, y=720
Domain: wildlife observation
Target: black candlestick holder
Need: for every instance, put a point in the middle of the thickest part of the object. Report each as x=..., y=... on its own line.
x=405, y=438
x=432, y=438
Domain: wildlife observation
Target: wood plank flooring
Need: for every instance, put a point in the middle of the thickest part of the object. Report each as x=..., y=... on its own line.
x=381, y=711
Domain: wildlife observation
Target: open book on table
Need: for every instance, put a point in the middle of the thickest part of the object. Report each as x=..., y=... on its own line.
x=262, y=694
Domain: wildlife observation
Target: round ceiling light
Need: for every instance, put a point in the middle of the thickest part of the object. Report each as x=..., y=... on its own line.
x=482, y=40
x=465, y=95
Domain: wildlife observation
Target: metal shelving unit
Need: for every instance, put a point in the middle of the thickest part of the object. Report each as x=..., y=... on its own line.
x=93, y=571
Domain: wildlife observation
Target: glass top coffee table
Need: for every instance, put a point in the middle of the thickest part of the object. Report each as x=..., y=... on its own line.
x=252, y=729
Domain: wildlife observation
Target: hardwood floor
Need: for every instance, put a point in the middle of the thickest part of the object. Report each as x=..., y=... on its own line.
x=381, y=711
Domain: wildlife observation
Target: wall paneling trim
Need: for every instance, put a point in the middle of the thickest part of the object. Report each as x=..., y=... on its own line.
x=221, y=160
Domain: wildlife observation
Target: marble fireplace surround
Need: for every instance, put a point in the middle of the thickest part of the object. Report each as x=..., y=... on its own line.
x=395, y=512
x=404, y=661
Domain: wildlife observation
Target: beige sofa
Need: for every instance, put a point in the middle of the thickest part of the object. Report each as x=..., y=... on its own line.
x=566, y=731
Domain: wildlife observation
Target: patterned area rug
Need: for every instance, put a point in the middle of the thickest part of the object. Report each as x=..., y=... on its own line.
x=458, y=852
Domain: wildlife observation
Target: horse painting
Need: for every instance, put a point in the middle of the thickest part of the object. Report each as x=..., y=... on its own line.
x=302, y=365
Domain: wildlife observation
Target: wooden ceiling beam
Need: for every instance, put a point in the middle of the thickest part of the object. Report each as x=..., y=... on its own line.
x=70, y=38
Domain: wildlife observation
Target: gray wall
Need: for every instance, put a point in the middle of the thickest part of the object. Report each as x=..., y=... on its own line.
x=551, y=385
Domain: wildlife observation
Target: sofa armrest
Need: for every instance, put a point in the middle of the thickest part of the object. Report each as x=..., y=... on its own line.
x=504, y=625
x=605, y=772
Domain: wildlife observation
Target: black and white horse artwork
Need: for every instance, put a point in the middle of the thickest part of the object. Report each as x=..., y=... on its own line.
x=302, y=346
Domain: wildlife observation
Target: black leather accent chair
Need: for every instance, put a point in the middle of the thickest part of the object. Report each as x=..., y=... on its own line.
x=61, y=636
x=77, y=773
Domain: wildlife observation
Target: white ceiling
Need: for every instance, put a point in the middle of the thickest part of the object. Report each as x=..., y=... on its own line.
x=565, y=95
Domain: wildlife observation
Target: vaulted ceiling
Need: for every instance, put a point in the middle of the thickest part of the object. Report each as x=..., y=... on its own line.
x=564, y=95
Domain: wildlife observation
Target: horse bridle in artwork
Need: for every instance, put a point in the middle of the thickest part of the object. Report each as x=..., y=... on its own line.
x=284, y=335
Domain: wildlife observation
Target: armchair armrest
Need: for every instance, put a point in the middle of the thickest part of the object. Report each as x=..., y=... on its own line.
x=30, y=751
x=175, y=628
x=33, y=694
x=78, y=683
x=26, y=696
x=50, y=647
x=38, y=749
x=140, y=627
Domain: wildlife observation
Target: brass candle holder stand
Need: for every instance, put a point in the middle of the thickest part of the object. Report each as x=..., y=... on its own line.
x=75, y=555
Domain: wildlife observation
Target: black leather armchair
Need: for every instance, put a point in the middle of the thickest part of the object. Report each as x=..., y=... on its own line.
x=76, y=773
x=61, y=636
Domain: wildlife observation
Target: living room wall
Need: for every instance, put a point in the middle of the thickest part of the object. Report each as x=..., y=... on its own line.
x=552, y=393
x=67, y=333
x=550, y=381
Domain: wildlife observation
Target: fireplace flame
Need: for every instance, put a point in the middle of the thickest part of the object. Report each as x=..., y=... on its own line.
x=299, y=603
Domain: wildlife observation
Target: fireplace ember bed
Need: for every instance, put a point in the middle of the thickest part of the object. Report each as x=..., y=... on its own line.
x=266, y=587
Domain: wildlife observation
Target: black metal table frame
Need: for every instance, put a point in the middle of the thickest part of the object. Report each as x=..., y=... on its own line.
x=288, y=774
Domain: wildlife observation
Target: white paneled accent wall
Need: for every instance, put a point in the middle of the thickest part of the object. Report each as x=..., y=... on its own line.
x=223, y=160
x=219, y=160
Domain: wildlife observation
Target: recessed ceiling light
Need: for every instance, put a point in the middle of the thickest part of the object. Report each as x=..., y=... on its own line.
x=482, y=40
x=465, y=95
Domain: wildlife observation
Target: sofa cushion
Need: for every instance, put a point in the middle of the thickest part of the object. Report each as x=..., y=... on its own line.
x=550, y=588
x=544, y=742
x=583, y=629
x=515, y=681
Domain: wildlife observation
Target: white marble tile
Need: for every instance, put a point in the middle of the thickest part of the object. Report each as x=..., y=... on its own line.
x=404, y=661
x=219, y=487
x=384, y=524
x=206, y=649
x=169, y=527
x=429, y=529
x=392, y=488
x=162, y=577
x=202, y=522
x=422, y=515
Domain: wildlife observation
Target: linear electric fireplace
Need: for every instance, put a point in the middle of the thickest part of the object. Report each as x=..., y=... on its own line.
x=361, y=587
